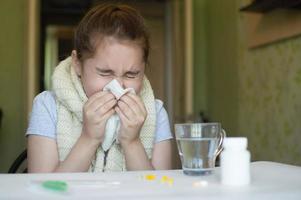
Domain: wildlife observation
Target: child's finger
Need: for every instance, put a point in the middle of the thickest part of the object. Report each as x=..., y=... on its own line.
x=138, y=100
x=106, y=106
x=107, y=115
x=123, y=118
x=102, y=101
x=126, y=110
x=94, y=99
x=132, y=105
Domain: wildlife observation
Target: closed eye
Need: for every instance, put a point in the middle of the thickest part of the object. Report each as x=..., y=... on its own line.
x=132, y=74
x=104, y=72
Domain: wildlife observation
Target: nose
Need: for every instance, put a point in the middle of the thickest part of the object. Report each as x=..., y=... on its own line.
x=120, y=81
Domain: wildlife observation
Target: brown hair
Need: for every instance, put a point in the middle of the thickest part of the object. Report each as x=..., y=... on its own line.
x=121, y=22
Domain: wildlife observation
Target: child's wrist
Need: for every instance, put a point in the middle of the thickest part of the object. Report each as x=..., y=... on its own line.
x=90, y=140
x=125, y=144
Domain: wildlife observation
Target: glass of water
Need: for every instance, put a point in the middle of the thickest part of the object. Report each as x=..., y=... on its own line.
x=199, y=144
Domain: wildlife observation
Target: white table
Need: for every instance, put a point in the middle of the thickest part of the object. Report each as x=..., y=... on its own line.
x=269, y=181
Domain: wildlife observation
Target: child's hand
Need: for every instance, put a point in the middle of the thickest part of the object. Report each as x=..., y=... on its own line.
x=97, y=110
x=132, y=113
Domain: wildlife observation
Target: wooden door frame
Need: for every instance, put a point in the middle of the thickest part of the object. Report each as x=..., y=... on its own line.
x=31, y=53
x=180, y=60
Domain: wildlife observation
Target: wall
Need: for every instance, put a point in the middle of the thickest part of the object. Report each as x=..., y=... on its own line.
x=254, y=93
x=222, y=64
x=216, y=79
x=270, y=97
x=12, y=15
x=200, y=56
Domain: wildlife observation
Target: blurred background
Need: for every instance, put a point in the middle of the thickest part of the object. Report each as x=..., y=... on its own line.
x=202, y=65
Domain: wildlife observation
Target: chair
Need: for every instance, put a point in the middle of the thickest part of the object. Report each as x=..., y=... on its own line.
x=18, y=163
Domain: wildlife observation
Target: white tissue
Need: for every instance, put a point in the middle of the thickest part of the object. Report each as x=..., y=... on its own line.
x=113, y=123
x=116, y=89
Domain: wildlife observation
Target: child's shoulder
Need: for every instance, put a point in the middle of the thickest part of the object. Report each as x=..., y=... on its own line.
x=45, y=95
x=46, y=98
x=43, y=115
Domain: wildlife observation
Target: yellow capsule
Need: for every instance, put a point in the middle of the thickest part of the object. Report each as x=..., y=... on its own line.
x=150, y=177
x=164, y=179
x=170, y=181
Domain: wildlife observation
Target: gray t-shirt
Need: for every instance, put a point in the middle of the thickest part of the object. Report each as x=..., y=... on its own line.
x=43, y=118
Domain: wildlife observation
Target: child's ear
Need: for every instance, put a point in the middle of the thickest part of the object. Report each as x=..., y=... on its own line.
x=76, y=63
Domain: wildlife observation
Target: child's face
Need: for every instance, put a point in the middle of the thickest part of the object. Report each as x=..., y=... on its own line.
x=112, y=60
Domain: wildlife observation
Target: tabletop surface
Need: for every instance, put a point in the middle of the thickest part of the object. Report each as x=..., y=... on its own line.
x=269, y=180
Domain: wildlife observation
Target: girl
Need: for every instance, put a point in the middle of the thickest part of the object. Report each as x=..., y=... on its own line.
x=67, y=124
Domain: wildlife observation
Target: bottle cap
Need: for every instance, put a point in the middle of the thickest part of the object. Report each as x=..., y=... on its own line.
x=235, y=143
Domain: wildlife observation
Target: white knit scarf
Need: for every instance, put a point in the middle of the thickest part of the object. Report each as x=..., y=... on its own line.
x=70, y=98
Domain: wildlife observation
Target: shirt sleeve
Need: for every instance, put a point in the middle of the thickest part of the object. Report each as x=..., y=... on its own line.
x=43, y=116
x=163, y=131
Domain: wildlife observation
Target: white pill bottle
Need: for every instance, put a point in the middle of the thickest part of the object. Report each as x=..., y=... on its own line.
x=235, y=162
